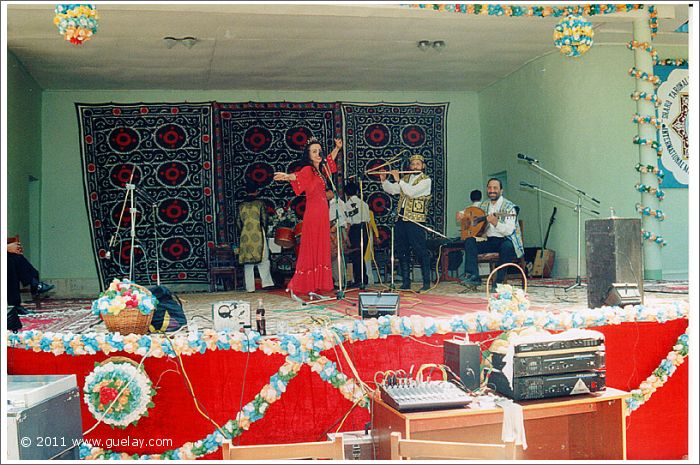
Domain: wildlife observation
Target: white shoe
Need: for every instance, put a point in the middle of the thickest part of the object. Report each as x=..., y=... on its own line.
x=313, y=295
x=294, y=297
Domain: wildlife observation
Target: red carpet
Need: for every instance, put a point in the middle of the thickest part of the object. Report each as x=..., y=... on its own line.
x=60, y=315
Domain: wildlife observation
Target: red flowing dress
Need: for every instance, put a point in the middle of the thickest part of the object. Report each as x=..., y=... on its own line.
x=313, y=267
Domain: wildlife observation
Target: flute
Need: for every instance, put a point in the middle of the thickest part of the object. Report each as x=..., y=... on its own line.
x=389, y=172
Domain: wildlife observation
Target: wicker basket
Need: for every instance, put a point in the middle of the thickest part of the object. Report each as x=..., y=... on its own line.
x=119, y=359
x=128, y=321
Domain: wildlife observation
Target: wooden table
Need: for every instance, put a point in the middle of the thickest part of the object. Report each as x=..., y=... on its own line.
x=580, y=427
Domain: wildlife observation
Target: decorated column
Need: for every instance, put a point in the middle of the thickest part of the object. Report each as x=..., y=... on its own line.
x=646, y=139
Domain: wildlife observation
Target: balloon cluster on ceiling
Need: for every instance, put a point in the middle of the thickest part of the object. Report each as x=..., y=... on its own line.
x=76, y=22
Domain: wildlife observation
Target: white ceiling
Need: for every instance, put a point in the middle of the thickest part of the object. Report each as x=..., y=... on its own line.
x=295, y=46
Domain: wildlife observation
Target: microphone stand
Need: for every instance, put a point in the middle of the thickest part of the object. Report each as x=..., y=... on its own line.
x=578, y=208
x=341, y=293
x=362, y=242
x=132, y=211
x=145, y=197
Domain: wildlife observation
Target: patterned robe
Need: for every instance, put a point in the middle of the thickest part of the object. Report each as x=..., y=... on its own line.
x=252, y=220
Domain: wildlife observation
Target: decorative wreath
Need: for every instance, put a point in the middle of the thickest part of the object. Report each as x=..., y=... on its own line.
x=118, y=392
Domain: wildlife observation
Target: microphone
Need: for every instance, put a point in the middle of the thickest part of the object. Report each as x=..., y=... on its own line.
x=140, y=192
x=527, y=184
x=527, y=159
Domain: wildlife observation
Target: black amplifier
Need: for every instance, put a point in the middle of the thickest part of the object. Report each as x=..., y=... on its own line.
x=562, y=344
x=547, y=363
x=541, y=387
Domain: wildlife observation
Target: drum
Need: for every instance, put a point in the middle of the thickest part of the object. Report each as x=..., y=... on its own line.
x=284, y=237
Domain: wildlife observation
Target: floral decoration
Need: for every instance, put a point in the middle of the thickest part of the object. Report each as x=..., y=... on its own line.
x=118, y=393
x=660, y=375
x=672, y=62
x=284, y=217
x=634, y=72
x=506, y=298
x=305, y=349
x=653, y=237
x=76, y=22
x=646, y=211
x=650, y=169
x=123, y=294
x=657, y=191
x=573, y=36
x=652, y=143
x=646, y=46
x=653, y=98
x=647, y=119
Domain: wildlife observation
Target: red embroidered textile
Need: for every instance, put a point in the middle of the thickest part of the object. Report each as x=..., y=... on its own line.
x=313, y=268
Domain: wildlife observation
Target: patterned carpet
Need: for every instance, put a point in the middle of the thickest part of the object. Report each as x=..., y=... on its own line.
x=286, y=315
x=60, y=315
x=668, y=287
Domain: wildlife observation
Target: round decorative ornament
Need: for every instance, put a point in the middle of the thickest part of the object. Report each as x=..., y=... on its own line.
x=76, y=22
x=118, y=392
x=573, y=36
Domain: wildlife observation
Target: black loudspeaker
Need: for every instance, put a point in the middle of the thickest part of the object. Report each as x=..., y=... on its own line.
x=463, y=358
x=613, y=255
x=376, y=304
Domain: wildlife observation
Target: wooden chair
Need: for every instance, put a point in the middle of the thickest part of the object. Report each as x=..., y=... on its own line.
x=333, y=450
x=224, y=268
x=415, y=449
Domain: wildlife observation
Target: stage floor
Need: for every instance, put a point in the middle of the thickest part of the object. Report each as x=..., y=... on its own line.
x=284, y=314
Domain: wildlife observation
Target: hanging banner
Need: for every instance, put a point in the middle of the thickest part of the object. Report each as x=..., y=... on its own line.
x=673, y=115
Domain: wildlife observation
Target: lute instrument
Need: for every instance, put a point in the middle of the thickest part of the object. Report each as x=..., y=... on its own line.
x=473, y=222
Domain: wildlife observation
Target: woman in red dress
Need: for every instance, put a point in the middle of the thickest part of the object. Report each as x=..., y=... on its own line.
x=313, y=267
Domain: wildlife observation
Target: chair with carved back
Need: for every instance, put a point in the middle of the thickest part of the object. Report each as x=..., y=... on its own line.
x=224, y=268
x=333, y=450
x=441, y=450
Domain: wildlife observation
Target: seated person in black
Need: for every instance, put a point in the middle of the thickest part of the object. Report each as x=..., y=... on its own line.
x=19, y=270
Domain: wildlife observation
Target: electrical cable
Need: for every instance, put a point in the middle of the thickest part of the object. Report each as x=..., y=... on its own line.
x=245, y=374
x=191, y=390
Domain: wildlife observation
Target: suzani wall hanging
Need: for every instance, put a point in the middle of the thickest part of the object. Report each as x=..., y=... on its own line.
x=375, y=133
x=165, y=151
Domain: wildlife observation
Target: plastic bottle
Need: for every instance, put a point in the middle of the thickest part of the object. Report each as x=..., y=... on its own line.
x=260, y=318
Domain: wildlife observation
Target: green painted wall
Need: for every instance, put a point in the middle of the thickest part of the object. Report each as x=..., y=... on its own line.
x=67, y=253
x=24, y=156
x=572, y=114
x=575, y=116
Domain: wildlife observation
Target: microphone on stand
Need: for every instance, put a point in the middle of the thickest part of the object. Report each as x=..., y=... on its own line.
x=527, y=159
x=528, y=185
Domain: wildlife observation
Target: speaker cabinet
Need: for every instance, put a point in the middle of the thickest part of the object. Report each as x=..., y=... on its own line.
x=464, y=360
x=613, y=255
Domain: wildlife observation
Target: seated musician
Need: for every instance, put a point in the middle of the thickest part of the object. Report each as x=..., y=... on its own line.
x=475, y=199
x=502, y=235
